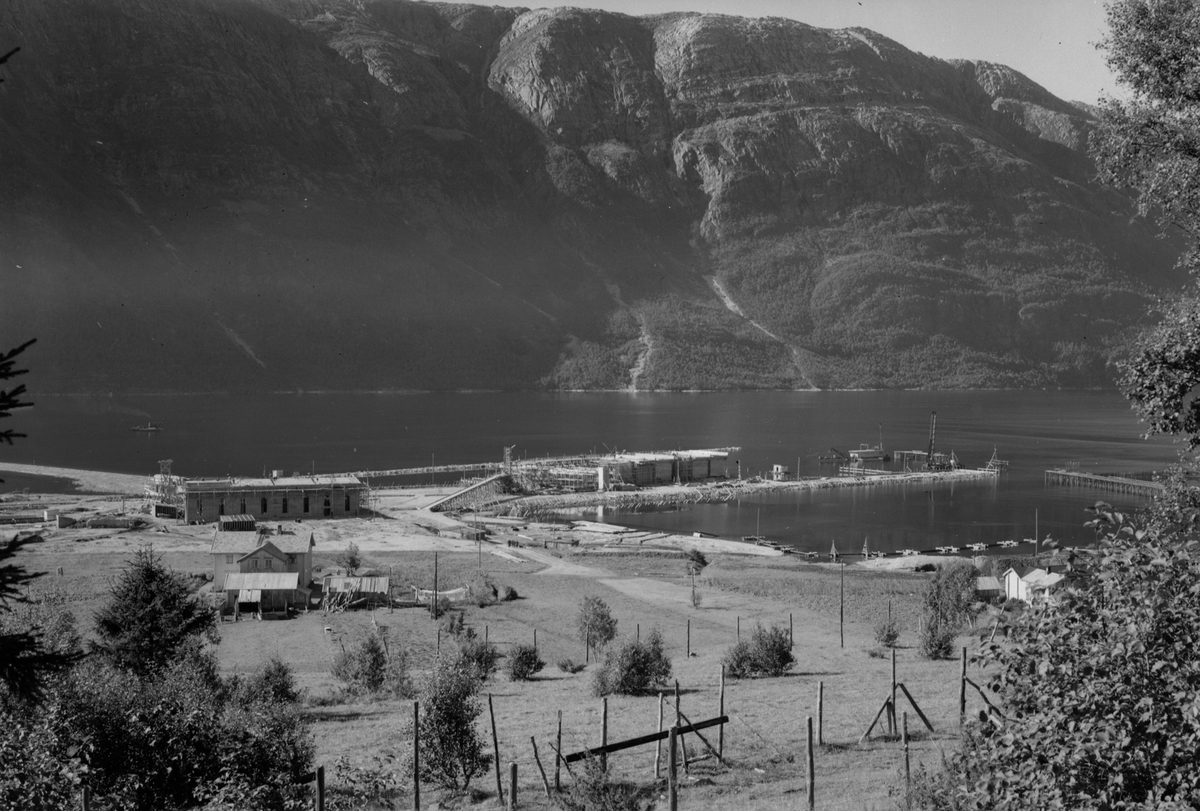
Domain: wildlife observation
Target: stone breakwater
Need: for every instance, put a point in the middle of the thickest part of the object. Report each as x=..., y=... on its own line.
x=632, y=501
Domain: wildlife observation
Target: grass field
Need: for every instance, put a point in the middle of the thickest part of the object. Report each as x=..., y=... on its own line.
x=764, y=742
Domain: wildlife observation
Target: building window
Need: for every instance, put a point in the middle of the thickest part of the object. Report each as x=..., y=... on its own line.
x=242, y=511
x=221, y=507
x=199, y=506
x=306, y=502
x=263, y=506
x=328, y=511
x=291, y=560
x=347, y=502
x=254, y=563
x=229, y=559
x=267, y=563
x=285, y=505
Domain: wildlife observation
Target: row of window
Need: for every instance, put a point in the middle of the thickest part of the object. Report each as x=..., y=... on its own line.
x=262, y=507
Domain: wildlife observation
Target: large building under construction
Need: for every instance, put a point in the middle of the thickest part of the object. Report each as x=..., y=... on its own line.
x=273, y=498
x=620, y=471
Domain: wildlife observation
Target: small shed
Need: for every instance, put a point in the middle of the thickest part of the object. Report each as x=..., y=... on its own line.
x=988, y=588
x=236, y=523
x=263, y=593
x=340, y=592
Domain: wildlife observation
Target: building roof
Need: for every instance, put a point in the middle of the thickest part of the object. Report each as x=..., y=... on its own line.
x=227, y=484
x=366, y=585
x=269, y=548
x=1044, y=580
x=297, y=541
x=262, y=581
x=987, y=584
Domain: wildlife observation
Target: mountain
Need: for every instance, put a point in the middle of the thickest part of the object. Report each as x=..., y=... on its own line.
x=215, y=195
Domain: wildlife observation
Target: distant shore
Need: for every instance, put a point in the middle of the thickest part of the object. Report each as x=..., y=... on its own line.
x=87, y=481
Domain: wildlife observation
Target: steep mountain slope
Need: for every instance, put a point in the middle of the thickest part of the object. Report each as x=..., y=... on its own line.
x=322, y=194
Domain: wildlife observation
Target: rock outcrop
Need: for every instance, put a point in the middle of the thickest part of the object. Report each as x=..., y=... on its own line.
x=385, y=194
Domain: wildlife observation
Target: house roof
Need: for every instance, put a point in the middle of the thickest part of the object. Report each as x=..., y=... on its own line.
x=226, y=485
x=366, y=585
x=297, y=541
x=262, y=581
x=987, y=584
x=1044, y=580
x=267, y=547
x=1024, y=572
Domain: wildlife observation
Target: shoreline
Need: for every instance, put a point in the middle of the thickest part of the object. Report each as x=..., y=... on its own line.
x=86, y=481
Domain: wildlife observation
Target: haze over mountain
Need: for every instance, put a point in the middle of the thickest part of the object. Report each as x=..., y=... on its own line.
x=209, y=195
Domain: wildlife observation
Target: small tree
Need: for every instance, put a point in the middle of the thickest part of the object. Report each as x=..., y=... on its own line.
x=351, y=560
x=633, y=669
x=478, y=656
x=150, y=615
x=768, y=652
x=372, y=666
x=451, y=748
x=273, y=681
x=523, y=662
x=595, y=623
x=947, y=605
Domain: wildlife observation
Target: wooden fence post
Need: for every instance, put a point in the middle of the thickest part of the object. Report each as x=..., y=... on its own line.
x=810, y=781
x=416, y=774
x=433, y=597
x=842, y=606
x=604, y=733
x=907, y=764
x=512, y=786
x=658, y=744
x=962, y=690
x=892, y=725
x=496, y=748
x=672, y=770
x=557, y=759
x=791, y=632
x=689, y=638
x=541, y=771
x=739, y=632
x=535, y=640
x=721, y=714
x=87, y=798
x=820, y=713
x=320, y=788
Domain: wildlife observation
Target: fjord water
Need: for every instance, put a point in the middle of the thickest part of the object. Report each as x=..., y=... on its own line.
x=210, y=435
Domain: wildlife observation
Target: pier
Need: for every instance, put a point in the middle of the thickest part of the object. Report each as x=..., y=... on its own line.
x=1120, y=484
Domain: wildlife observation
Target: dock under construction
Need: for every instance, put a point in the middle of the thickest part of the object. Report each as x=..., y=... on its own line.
x=618, y=471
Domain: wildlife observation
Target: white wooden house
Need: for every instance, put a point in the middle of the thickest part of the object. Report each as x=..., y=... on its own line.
x=1029, y=584
x=287, y=550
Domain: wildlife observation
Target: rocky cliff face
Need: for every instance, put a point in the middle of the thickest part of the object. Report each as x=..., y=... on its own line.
x=324, y=194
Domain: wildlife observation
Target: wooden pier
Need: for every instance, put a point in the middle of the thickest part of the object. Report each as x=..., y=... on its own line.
x=1118, y=484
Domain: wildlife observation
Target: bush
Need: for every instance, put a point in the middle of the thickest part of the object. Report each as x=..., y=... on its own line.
x=696, y=560
x=509, y=594
x=569, y=666
x=273, y=681
x=947, y=605
x=593, y=790
x=636, y=668
x=451, y=749
x=523, y=662
x=371, y=666
x=478, y=656
x=595, y=623
x=455, y=624
x=937, y=640
x=887, y=633
x=767, y=653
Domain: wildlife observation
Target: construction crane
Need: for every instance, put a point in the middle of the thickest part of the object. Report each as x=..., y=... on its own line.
x=932, y=432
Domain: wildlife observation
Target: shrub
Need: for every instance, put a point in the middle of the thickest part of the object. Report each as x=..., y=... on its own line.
x=370, y=666
x=593, y=790
x=455, y=624
x=273, y=681
x=509, y=594
x=523, y=662
x=595, y=623
x=569, y=666
x=947, y=605
x=696, y=560
x=767, y=653
x=887, y=633
x=451, y=749
x=937, y=639
x=635, y=668
x=350, y=560
x=478, y=656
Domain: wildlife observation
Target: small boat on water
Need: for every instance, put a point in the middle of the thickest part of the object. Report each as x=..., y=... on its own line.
x=1008, y=544
x=977, y=547
x=149, y=426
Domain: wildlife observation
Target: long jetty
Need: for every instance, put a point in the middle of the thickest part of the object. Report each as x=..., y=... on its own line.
x=1119, y=484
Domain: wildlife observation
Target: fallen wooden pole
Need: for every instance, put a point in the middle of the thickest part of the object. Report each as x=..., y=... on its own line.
x=643, y=739
x=913, y=701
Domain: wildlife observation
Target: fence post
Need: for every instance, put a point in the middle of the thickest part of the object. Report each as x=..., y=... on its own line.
x=416, y=775
x=658, y=743
x=604, y=733
x=820, y=713
x=496, y=748
x=557, y=758
x=721, y=714
x=689, y=638
x=907, y=765
x=739, y=632
x=320, y=788
x=672, y=770
x=892, y=719
x=810, y=781
x=512, y=786
x=791, y=632
x=87, y=798
x=962, y=690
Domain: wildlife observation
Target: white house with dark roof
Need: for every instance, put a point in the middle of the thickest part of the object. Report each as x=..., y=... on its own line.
x=1029, y=584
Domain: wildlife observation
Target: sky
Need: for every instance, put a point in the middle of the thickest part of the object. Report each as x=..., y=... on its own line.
x=1050, y=41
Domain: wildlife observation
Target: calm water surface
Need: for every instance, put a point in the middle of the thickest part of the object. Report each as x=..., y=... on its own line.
x=243, y=435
